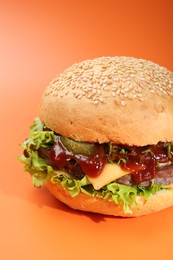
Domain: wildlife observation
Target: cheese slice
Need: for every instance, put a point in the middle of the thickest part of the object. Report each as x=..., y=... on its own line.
x=111, y=172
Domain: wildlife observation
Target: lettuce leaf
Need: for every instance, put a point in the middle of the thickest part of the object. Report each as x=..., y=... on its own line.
x=38, y=137
x=40, y=172
x=35, y=165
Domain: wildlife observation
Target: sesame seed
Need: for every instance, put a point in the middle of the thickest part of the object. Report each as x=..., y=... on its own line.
x=122, y=102
x=101, y=99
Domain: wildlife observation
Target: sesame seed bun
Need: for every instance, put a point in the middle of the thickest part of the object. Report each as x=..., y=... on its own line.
x=161, y=200
x=111, y=99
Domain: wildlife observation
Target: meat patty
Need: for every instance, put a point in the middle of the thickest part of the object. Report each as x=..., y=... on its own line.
x=164, y=175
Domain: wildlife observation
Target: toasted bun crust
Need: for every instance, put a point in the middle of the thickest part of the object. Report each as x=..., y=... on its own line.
x=83, y=202
x=111, y=99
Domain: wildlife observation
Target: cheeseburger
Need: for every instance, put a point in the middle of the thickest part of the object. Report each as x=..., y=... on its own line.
x=103, y=141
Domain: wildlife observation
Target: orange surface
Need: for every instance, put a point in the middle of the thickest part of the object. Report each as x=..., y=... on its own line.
x=38, y=40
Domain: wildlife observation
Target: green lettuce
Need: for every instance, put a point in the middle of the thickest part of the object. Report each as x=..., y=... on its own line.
x=38, y=168
x=40, y=172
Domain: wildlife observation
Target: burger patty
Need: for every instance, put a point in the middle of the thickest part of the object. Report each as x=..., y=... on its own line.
x=164, y=176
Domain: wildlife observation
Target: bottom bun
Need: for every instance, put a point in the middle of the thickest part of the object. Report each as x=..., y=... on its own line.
x=161, y=200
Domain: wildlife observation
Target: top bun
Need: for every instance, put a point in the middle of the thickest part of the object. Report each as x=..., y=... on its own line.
x=123, y=100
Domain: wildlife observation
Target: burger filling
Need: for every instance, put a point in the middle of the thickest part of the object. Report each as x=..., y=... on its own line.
x=79, y=166
x=152, y=162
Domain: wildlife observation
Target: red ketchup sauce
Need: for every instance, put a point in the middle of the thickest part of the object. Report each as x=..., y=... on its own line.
x=91, y=165
x=141, y=171
x=143, y=163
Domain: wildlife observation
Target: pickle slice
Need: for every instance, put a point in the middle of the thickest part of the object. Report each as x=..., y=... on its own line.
x=75, y=147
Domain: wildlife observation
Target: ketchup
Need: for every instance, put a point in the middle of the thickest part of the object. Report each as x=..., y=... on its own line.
x=142, y=162
x=91, y=165
x=141, y=169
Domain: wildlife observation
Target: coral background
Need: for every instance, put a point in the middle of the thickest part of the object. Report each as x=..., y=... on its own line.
x=38, y=40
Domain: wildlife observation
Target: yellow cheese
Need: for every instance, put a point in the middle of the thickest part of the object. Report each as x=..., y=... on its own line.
x=110, y=173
